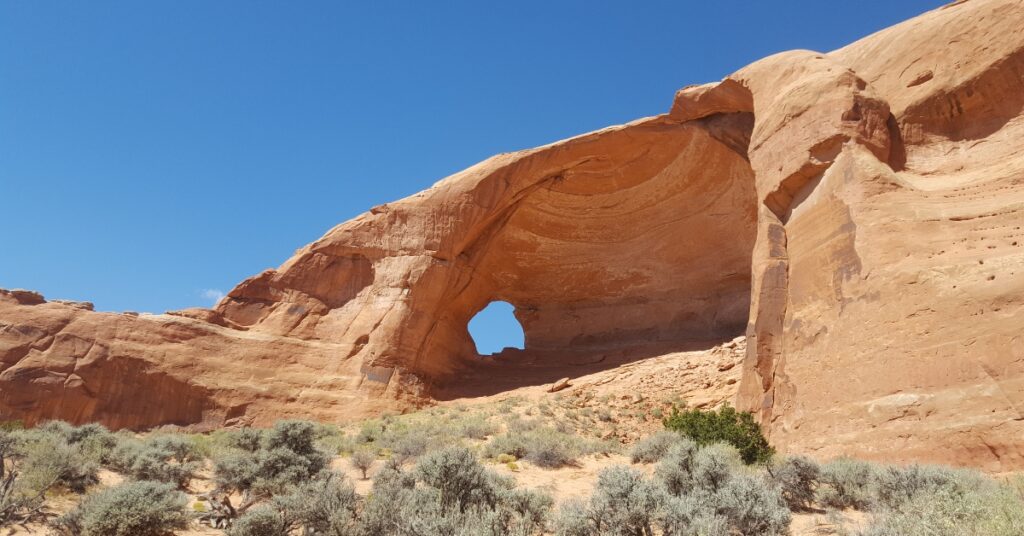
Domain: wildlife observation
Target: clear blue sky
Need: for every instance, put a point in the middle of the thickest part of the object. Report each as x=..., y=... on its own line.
x=154, y=153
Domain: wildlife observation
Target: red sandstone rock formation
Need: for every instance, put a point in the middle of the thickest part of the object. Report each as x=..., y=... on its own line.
x=858, y=213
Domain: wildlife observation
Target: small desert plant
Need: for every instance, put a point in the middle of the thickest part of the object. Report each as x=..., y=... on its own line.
x=988, y=509
x=286, y=455
x=93, y=440
x=693, y=516
x=726, y=425
x=362, y=460
x=21, y=500
x=261, y=521
x=130, y=509
x=624, y=502
x=652, y=448
x=165, y=458
x=246, y=439
x=895, y=485
x=326, y=505
x=370, y=431
x=450, y=493
x=261, y=465
x=47, y=458
x=753, y=506
x=543, y=447
x=675, y=471
x=798, y=478
x=456, y=474
x=847, y=483
x=686, y=469
x=475, y=427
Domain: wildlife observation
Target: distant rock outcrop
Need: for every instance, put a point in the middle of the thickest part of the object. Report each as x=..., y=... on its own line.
x=858, y=214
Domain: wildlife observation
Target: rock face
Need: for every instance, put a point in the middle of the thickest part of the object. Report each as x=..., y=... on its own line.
x=857, y=214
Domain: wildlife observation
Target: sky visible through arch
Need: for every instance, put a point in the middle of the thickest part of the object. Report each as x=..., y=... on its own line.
x=495, y=328
x=154, y=154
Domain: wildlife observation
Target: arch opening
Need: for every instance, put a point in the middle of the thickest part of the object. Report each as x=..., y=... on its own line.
x=640, y=250
x=495, y=328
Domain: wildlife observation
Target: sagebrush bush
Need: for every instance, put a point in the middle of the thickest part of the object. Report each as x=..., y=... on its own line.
x=131, y=509
x=989, y=510
x=713, y=466
x=20, y=502
x=47, y=459
x=753, y=506
x=692, y=515
x=727, y=425
x=543, y=447
x=675, y=471
x=623, y=502
x=450, y=493
x=847, y=483
x=475, y=427
x=895, y=485
x=166, y=458
x=654, y=447
x=260, y=521
x=286, y=455
x=94, y=440
x=798, y=478
x=457, y=475
x=326, y=505
x=247, y=439
x=362, y=460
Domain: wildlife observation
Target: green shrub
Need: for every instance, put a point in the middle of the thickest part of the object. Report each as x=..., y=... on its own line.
x=847, y=483
x=798, y=478
x=654, y=447
x=726, y=425
x=130, y=509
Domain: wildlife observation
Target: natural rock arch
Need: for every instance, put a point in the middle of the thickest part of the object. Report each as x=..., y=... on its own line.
x=869, y=199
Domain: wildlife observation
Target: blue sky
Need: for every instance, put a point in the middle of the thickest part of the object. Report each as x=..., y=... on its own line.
x=153, y=154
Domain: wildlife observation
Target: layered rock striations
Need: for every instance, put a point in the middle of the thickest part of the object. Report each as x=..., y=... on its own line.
x=857, y=214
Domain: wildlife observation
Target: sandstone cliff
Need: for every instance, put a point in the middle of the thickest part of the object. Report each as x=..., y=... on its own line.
x=856, y=213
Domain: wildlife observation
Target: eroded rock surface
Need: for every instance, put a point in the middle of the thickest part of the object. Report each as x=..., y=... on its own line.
x=856, y=213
